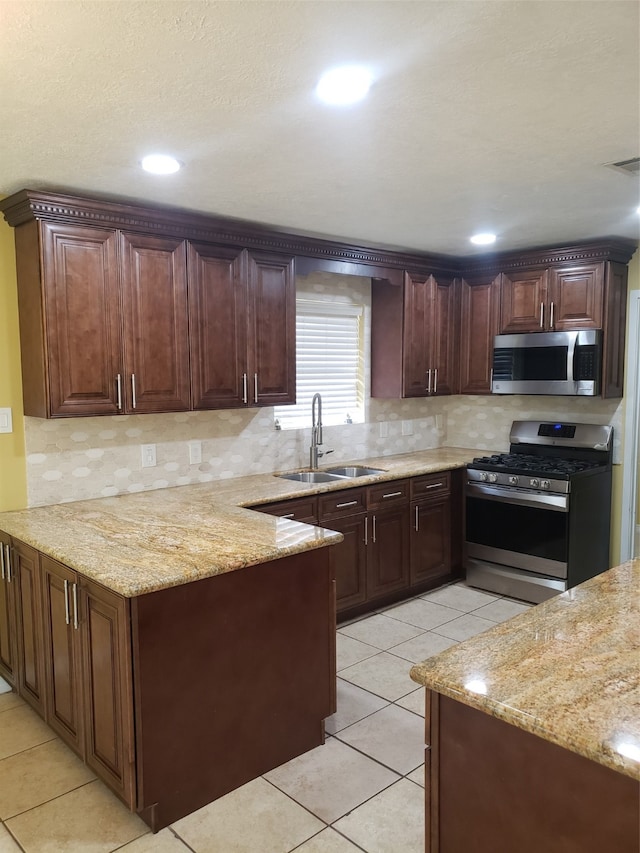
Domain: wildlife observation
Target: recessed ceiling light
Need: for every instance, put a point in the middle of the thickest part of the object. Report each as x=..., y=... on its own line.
x=483, y=239
x=160, y=164
x=344, y=85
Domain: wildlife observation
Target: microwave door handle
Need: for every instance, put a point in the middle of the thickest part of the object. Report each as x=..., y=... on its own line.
x=573, y=339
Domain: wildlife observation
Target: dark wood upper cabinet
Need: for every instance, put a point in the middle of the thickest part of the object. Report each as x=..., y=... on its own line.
x=271, y=358
x=70, y=322
x=576, y=297
x=156, y=344
x=414, y=334
x=242, y=310
x=479, y=324
x=524, y=301
x=217, y=325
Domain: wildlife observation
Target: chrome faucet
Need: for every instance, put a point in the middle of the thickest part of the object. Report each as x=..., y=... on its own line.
x=316, y=432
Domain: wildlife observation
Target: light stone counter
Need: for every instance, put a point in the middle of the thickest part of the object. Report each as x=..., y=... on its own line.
x=567, y=670
x=139, y=543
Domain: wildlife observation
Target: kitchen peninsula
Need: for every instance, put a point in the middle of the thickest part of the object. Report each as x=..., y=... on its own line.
x=179, y=642
x=533, y=728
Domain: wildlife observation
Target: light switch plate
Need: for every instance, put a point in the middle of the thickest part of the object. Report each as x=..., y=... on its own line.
x=407, y=428
x=384, y=429
x=148, y=455
x=195, y=452
x=6, y=420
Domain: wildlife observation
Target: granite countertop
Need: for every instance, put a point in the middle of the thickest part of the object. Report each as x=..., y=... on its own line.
x=143, y=542
x=567, y=670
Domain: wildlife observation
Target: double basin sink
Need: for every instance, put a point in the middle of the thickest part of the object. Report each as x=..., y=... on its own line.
x=344, y=472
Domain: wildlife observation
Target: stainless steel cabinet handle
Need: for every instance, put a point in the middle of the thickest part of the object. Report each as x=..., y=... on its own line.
x=66, y=601
x=289, y=515
x=435, y=381
x=366, y=530
x=491, y=378
x=133, y=391
x=245, y=393
x=2, y=572
x=392, y=495
x=417, y=518
x=74, y=590
x=429, y=381
x=348, y=503
x=7, y=563
x=119, y=391
x=373, y=531
x=255, y=387
x=542, y=315
x=551, y=318
x=434, y=486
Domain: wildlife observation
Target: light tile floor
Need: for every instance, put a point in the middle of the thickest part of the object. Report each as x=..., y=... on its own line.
x=361, y=791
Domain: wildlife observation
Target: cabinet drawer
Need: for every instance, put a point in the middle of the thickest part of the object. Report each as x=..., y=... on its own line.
x=342, y=503
x=388, y=494
x=303, y=509
x=431, y=485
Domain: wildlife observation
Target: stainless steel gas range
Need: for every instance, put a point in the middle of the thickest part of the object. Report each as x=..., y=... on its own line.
x=537, y=519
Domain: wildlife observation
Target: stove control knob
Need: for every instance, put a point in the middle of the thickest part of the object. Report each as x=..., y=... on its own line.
x=493, y=478
x=534, y=483
x=513, y=480
x=545, y=484
x=484, y=476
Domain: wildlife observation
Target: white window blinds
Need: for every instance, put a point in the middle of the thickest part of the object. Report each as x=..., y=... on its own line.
x=330, y=361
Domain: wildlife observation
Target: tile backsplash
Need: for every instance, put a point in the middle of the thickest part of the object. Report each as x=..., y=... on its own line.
x=75, y=459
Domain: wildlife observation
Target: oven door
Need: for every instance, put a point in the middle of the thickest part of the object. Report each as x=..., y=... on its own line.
x=517, y=528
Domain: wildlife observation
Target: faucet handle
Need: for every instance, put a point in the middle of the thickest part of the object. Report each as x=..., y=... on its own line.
x=324, y=452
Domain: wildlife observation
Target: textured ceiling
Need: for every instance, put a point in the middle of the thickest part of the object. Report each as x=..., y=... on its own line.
x=483, y=116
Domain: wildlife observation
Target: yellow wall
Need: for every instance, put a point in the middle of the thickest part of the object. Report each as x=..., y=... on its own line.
x=13, y=477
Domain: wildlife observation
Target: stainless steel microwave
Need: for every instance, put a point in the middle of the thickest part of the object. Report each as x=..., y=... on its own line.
x=566, y=363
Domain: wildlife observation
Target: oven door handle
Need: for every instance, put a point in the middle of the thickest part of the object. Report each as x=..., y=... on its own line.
x=557, y=503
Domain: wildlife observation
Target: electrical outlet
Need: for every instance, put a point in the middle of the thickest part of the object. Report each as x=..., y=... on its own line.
x=384, y=429
x=148, y=455
x=407, y=428
x=439, y=421
x=6, y=421
x=195, y=452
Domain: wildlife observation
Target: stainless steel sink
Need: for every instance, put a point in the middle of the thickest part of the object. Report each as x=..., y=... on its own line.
x=355, y=471
x=311, y=477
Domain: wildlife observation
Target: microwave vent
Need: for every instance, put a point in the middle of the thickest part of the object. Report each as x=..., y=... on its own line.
x=631, y=167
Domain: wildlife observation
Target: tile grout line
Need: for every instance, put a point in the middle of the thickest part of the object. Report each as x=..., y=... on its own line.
x=56, y=797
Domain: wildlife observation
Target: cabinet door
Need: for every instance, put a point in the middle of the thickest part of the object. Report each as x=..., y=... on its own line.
x=155, y=324
x=272, y=330
x=388, y=551
x=62, y=652
x=107, y=670
x=418, y=306
x=480, y=319
x=8, y=652
x=576, y=297
x=523, y=301
x=431, y=541
x=348, y=560
x=444, y=337
x=217, y=326
x=25, y=562
x=83, y=325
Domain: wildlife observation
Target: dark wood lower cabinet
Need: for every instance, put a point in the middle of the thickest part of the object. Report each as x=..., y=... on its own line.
x=30, y=644
x=8, y=631
x=491, y=786
x=431, y=540
x=388, y=552
x=349, y=560
x=62, y=653
x=177, y=697
x=105, y=627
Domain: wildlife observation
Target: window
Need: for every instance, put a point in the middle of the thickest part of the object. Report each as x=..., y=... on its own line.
x=329, y=361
